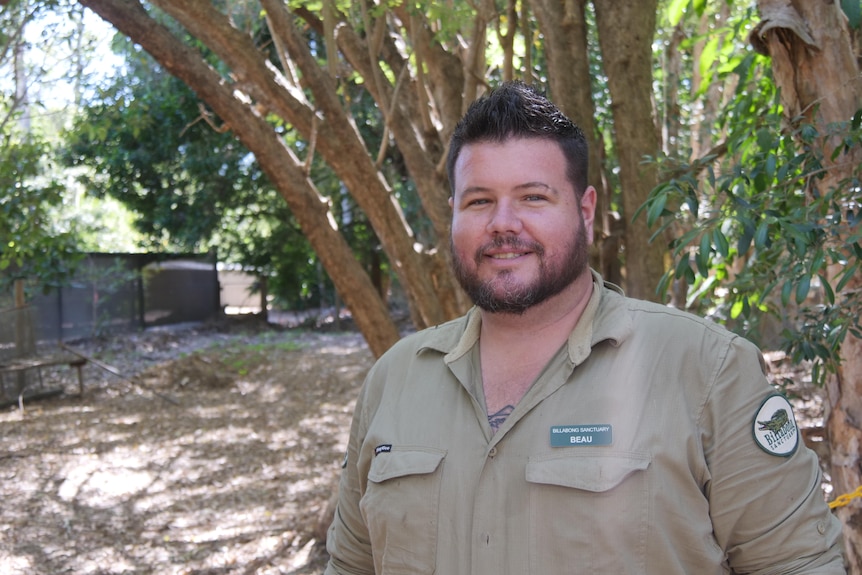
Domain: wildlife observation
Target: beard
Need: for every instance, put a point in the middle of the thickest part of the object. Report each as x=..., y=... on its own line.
x=502, y=294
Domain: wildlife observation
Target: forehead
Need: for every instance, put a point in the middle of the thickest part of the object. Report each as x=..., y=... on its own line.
x=510, y=163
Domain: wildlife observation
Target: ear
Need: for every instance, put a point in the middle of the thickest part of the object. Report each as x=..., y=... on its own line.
x=588, y=210
x=451, y=202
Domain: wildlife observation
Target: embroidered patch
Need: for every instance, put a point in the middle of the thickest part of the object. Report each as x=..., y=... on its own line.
x=385, y=448
x=775, y=428
x=573, y=435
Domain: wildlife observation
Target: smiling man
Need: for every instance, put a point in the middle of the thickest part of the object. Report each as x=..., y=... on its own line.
x=503, y=220
x=560, y=427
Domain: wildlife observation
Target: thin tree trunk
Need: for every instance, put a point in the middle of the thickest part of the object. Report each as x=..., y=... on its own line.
x=626, y=33
x=815, y=67
x=564, y=27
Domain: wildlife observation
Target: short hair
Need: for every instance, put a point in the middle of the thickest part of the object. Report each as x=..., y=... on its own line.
x=517, y=110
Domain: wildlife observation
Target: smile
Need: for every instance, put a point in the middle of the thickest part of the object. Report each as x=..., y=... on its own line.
x=508, y=256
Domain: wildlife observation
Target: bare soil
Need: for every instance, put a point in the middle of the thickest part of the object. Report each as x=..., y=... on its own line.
x=216, y=450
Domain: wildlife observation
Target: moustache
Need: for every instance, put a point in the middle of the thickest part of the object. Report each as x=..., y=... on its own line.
x=511, y=242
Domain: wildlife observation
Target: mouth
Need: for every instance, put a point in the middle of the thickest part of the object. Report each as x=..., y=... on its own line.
x=506, y=255
x=507, y=249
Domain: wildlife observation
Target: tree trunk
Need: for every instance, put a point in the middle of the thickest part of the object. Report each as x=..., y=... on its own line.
x=815, y=68
x=564, y=26
x=626, y=33
x=338, y=139
x=282, y=167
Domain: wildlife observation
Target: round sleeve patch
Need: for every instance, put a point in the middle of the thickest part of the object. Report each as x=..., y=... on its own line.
x=775, y=428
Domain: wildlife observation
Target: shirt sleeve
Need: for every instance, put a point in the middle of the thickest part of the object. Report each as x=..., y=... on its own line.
x=768, y=510
x=347, y=540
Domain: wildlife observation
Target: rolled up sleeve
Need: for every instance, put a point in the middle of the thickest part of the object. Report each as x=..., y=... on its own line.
x=768, y=510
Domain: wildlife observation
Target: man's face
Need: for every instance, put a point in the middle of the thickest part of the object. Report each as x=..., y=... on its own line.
x=519, y=234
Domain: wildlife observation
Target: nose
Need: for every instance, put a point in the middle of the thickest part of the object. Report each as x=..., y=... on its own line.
x=505, y=219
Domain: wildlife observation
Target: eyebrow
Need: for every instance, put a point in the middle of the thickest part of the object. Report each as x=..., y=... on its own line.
x=544, y=186
x=519, y=187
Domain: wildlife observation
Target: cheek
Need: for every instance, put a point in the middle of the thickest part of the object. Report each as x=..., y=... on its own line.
x=462, y=232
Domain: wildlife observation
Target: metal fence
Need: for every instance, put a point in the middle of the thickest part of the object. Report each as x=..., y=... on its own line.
x=115, y=293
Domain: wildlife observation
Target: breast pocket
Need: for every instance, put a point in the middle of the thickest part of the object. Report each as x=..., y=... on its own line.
x=588, y=512
x=400, y=507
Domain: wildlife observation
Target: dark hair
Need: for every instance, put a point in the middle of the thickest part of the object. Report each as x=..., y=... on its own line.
x=516, y=110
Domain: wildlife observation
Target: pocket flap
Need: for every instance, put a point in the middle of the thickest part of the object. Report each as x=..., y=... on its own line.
x=404, y=462
x=595, y=473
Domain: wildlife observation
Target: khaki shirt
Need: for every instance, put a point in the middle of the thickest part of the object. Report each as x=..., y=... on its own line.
x=633, y=453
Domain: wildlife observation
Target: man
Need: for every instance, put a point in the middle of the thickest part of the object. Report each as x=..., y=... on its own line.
x=560, y=427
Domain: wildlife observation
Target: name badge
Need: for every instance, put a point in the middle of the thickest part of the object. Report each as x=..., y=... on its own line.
x=583, y=435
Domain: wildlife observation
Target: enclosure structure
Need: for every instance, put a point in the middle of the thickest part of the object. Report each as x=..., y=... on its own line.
x=108, y=293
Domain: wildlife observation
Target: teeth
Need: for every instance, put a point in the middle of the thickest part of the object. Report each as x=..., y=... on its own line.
x=506, y=256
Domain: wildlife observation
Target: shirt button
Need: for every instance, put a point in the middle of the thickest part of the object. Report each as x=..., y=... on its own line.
x=821, y=527
x=492, y=452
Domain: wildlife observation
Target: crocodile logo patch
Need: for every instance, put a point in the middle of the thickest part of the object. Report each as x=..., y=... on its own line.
x=776, y=423
x=774, y=427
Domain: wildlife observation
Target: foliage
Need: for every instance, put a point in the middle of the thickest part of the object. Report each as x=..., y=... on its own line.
x=152, y=149
x=193, y=186
x=760, y=232
x=45, y=50
x=31, y=245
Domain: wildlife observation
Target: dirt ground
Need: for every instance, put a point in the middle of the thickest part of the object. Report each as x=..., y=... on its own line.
x=219, y=456
x=216, y=451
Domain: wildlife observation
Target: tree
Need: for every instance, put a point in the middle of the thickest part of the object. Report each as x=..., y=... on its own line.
x=193, y=187
x=31, y=245
x=815, y=66
x=769, y=216
x=626, y=32
x=300, y=69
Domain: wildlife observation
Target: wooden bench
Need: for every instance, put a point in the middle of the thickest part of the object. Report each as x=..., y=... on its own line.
x=24, y=364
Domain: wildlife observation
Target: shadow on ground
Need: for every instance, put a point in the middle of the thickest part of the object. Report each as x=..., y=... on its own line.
x=233, y=477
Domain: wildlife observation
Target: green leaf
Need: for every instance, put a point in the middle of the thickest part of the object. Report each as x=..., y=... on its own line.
x=722, y=246
x=675, y=10
x=736, y=309
x=683, y=270
x=770, y=166
x=802, y=289
x=701, y=260
x=766, y=139
x=708, y=58
x=702, y=257
x=827, y=290
x=656, y=209
x=761, y=236
x=745, y=238
x=846, y=275
x=817, y=262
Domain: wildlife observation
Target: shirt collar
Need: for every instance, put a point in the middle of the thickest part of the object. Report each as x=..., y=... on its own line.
x=604, y=318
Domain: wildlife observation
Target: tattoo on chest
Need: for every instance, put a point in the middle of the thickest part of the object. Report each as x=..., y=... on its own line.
x=497, y=419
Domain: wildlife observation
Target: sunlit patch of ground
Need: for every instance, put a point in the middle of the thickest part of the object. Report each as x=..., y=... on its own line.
x=233, y=478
